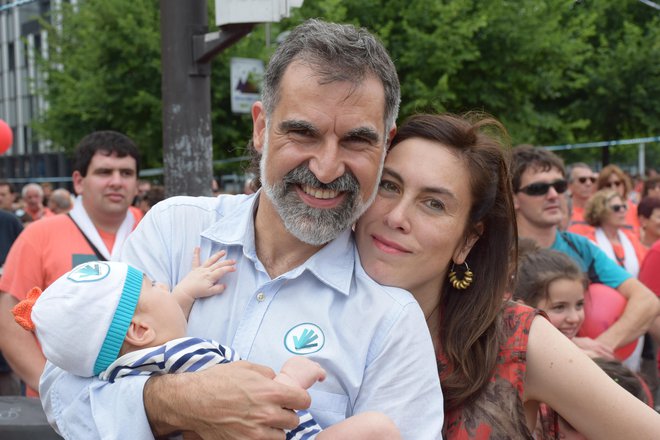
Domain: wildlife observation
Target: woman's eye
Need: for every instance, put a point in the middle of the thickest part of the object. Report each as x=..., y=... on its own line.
x=436, y=205
x=387, y=185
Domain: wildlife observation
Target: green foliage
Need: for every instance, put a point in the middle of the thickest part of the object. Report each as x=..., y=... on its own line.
x=554, y=71
x=103, y=72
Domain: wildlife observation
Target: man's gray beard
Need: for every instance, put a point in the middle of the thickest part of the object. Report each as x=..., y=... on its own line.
x=315, y=226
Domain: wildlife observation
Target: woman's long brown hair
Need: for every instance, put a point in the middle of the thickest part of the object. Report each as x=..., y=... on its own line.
x=470, y=334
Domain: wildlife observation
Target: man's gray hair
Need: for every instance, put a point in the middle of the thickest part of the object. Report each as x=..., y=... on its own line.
x=34, y=186
x=336, y=52
x=574, y=166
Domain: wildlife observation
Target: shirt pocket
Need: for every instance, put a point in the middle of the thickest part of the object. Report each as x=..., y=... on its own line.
x=328, y=408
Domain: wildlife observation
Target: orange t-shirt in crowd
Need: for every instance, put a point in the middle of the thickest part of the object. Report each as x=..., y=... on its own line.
x=44, y=251
x=583, y=229
x=590, y=233
x=138, y=214
x=39, y=214
x=632, y=221
x=648, y=272
x=577, y=215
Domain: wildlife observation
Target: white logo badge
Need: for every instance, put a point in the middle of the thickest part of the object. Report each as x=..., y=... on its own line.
x=89, y=272
x=304, y=338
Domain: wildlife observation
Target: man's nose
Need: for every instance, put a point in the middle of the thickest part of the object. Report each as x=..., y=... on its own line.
x=327, y=163
x=115, y=178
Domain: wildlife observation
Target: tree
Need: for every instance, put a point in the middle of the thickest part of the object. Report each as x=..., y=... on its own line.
x=554, y=72
x=621, y=96
x=103, y=72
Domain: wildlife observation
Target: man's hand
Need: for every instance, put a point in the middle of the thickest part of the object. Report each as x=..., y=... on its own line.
x=594, y=348
x=239, y=400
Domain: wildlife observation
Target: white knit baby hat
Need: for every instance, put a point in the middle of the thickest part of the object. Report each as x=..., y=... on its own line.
x=82, y=318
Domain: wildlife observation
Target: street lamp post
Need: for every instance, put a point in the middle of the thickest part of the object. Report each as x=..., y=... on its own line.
x=187, y=51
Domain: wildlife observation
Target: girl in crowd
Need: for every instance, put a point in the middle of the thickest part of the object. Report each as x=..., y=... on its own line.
x=443, y=227
x=552, y=282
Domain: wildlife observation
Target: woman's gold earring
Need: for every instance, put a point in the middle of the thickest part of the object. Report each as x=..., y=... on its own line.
x=464, y=283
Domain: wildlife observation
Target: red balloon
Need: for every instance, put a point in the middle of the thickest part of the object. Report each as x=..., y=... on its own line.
x=6, y=137
x=602, y=307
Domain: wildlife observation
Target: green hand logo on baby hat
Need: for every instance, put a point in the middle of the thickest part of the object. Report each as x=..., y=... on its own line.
x=89, y=272
x=305, y=338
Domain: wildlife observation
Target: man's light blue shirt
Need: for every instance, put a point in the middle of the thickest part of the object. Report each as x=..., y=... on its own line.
x=372, y=340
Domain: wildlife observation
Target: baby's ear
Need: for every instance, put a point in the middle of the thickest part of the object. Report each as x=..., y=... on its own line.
x=140, y=333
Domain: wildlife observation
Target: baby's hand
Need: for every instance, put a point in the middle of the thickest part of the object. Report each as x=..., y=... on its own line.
x=202, y=281
x=301, y=371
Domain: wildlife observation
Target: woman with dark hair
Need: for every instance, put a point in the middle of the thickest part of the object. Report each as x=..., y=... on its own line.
x=651, y=187
x=443, y=227
x=648, y=212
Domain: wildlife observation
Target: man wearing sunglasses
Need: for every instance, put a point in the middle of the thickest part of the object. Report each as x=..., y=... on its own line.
x=538, y=181
x=581, y=185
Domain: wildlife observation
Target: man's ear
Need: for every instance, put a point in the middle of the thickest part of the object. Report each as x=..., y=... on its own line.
x=140, y=333
x=258, y=125
x=77, y=182
x=390, y=136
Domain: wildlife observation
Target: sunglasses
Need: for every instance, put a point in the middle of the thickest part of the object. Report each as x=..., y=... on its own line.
x=542, y=188
x=584, y=179
x=617, y=184
x=619, y=208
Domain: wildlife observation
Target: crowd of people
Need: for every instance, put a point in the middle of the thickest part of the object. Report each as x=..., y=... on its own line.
x=437, y=279
x=620, y=218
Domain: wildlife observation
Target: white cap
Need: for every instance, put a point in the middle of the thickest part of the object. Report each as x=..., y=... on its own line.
x=82, y=318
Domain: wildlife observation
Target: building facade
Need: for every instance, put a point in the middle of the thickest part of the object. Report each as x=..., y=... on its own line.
x=22, y=41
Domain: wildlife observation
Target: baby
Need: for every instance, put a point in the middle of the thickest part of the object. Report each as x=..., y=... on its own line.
x=133, y=326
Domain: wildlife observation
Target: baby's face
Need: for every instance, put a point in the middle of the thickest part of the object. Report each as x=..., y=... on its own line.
x=159, y=307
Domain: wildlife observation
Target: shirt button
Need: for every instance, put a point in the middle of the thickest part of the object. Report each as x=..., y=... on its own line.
x=261, y=296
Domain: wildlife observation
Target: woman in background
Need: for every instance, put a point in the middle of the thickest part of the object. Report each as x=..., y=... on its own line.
x=612, y=177
x=606, y=212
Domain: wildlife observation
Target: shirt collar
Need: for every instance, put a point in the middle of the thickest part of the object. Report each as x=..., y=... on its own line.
x=333, y=264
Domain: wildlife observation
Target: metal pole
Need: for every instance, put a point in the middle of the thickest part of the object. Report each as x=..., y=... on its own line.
x=641, y=159
x=186, y=92
x=605, y=155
